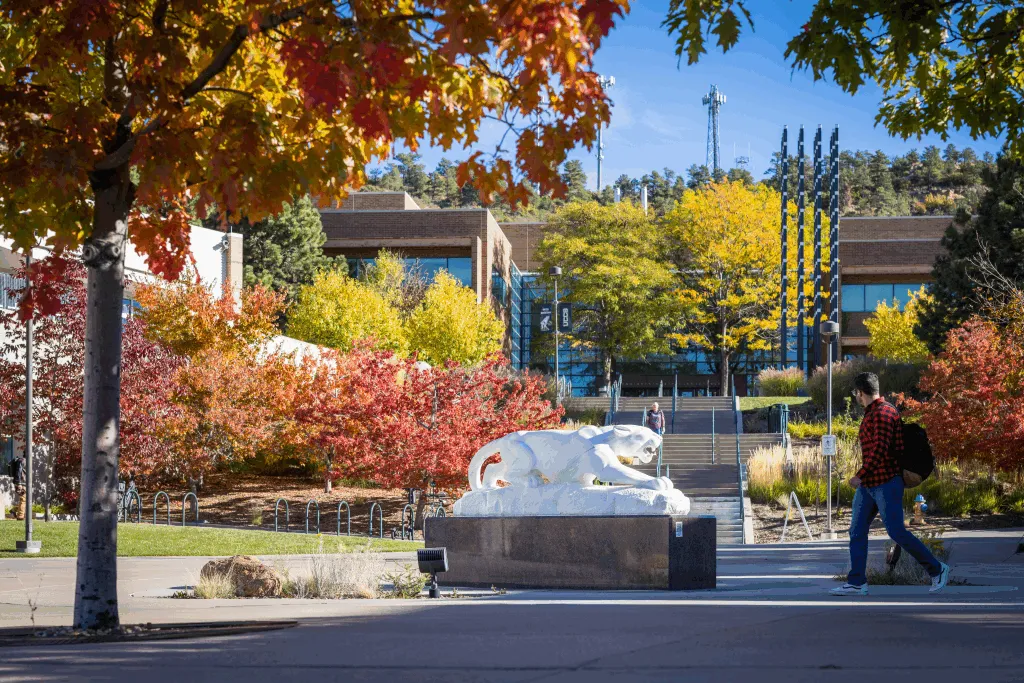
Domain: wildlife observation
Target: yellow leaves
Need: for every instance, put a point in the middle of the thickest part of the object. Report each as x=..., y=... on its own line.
x=337, y=311
x=451, y=326
x=892, y=332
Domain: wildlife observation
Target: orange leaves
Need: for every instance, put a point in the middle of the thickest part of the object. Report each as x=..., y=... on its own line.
x=187, y=319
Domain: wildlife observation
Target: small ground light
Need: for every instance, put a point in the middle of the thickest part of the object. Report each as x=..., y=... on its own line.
x=433, y=561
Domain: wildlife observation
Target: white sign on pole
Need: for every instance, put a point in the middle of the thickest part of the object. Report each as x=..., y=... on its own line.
x=828, y=445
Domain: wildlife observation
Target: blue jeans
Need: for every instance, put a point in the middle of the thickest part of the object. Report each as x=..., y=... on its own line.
x=886, y=500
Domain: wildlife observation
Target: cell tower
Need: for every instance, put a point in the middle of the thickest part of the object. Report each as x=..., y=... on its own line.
x=713, y=101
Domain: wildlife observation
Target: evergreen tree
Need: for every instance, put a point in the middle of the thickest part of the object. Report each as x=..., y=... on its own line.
x=285, y=252
x=575, y=177
x=997, y=233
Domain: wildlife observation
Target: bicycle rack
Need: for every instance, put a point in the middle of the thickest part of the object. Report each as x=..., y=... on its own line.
x=348, y=510
x=412, y=522
x=277, y=506
x=313, y=501
x=138, y=507
x=381, y=511
x=439, y=511
x=156, y=500
x=184, y=499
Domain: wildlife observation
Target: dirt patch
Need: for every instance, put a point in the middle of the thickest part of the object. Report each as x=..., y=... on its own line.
x=243, y=499
x=768, y=521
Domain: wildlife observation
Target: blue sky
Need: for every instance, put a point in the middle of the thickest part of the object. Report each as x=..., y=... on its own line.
x=658, y=120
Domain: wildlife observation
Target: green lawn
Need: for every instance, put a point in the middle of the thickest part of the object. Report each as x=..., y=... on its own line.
x=757, y=402
x=60, y=539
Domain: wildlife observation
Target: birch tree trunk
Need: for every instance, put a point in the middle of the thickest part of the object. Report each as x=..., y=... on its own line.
x=103, y=255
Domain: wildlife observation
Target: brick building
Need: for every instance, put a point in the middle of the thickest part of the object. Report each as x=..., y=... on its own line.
x=881, y=259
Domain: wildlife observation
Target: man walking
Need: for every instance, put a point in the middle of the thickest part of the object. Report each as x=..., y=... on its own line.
x=656, y=420
x=18, y=475
x=879, y=484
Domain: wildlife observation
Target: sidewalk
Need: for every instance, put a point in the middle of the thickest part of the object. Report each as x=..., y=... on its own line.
x=769, y=620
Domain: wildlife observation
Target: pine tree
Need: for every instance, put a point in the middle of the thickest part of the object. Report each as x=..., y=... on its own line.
x=995, y=234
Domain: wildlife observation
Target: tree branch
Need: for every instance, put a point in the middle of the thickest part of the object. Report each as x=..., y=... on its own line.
x=228, y=50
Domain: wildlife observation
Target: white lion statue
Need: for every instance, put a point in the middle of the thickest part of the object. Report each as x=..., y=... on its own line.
x=553, y=472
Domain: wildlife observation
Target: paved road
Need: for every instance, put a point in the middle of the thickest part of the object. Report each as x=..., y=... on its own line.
x=770, y=620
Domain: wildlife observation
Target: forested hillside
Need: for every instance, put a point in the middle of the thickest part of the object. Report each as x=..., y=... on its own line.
x=871, y=183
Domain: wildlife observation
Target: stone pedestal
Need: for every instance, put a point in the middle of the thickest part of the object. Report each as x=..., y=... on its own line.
x=624, y=552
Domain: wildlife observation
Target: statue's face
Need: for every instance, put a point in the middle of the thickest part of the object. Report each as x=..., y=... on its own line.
x=634, y=441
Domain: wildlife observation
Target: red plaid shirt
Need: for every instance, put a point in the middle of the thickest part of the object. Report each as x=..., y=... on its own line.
x=881, y=438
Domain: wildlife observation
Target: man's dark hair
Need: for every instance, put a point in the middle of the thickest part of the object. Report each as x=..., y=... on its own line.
x=868, y=383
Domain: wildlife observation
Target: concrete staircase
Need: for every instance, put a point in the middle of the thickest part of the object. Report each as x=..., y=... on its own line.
x=698, y=453
x=711, y=484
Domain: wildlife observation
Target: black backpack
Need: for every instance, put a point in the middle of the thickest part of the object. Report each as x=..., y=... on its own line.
x=916, y=460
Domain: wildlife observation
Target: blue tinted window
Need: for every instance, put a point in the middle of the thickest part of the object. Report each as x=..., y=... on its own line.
x=875, y=295
x=853, y=298
x=462, y=270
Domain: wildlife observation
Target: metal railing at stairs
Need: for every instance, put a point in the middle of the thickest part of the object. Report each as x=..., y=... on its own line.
x=739, y=464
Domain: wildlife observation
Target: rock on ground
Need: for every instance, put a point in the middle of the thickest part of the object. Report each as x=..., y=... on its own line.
x=252, y=578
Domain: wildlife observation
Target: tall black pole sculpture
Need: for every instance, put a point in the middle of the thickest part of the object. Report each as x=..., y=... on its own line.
x=816, y=355
x=833, y=242
x=801, y=313
x=784, y=188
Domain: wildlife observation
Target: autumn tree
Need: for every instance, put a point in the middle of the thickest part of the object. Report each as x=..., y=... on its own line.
x=976, y=410
x=58, y=356
x=243, y=106
x=723, y=241
x=891, y=331
x=451, y=325
x=614, y=276
x=337, y=310
x=226, y=388
x=927, y=57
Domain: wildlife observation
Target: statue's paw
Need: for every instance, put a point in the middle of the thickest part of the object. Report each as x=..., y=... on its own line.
x=657, y=484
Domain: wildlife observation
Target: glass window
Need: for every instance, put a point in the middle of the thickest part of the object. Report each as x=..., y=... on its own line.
x=853, y=298
x=462, y=270
x=6, y=453
x=875, y=295
x=499, y=290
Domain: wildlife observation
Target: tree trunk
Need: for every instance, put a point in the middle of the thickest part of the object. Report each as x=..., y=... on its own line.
x=327, y=471
x=103, y=255
x=723, y=371
x=608, y=371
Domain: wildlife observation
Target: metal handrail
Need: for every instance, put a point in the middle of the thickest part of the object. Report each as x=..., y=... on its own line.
x=156, y=499
x=739, y=465
x=349, y=511
x=713, y=437
x=381, y=510
x=287, y=514
x=412, y=521
x=661, y=448
x=313, y=501
x=184, y=499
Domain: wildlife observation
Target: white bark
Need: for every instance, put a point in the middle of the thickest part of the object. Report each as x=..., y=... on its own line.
x=103, y=254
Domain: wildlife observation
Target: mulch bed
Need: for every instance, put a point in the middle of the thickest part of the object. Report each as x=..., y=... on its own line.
x=237, y=499
x=64, y=635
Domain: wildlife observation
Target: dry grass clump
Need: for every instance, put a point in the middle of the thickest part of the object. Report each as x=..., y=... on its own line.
x=214, y=585
x=786, y=382
x=356, y=574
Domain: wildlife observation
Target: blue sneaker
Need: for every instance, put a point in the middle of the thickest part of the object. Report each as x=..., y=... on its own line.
x=939, y=582
x=849, y=589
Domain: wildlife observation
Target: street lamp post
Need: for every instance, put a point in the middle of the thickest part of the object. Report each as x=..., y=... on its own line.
x=829, y=332
x=555, y=272
x=28, y=545
x=605, y=82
